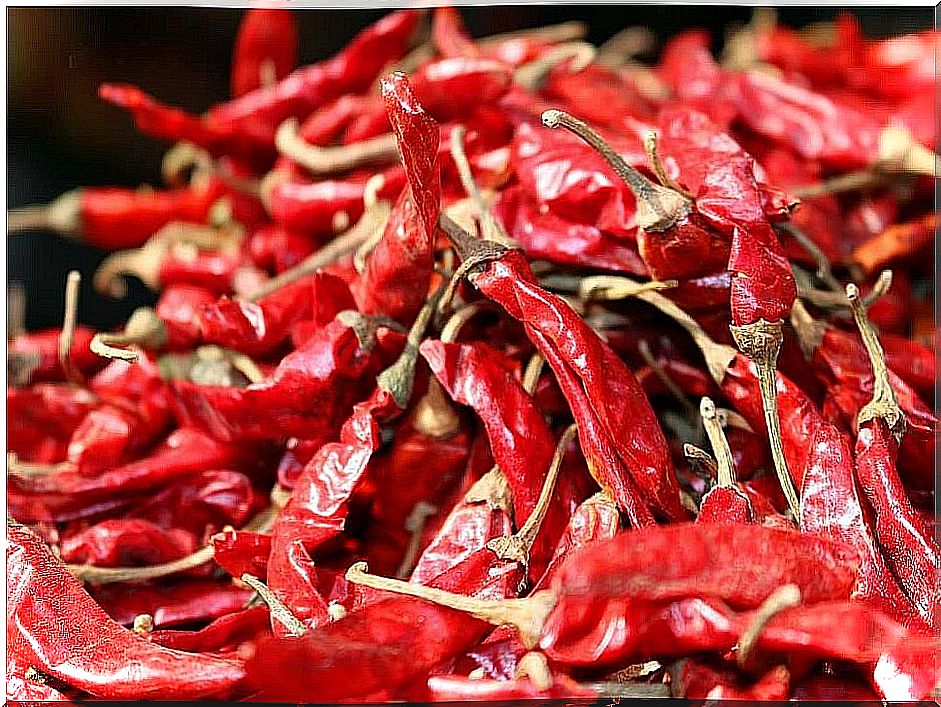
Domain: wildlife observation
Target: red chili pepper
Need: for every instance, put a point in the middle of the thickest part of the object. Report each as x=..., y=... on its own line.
x=241, y=552
x=305, y=397
x=184, y=603
x=224, y=635
x=578, y=357
x=376, y=651
x=521, y=441
x=398, y=271
x=201, y=504
x=454, y=688
x=724, y=502
x=352, y=70
x=40, y=352
x=293, y=580
x=544, y=236
x=898, y=242
x=276, y=249
x=178, y=309
x=688, y=68
x=126, y=542
x=110, y=435
x=155, y=119
x=44, y=416
x=911, y=361
x=705, y=680
x=327, y=123
x=600, y=94
x=911, y=552
x=114, y=218
x=449, y=35
x=90, y=651
x=265, y=49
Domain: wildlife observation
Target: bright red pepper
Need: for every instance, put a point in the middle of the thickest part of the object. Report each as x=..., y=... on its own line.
x=265, y=49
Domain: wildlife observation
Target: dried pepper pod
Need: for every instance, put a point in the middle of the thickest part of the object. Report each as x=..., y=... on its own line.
x=265, y=49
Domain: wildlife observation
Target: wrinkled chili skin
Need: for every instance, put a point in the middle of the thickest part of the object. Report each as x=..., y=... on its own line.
x=45, y=345
x=73, y=640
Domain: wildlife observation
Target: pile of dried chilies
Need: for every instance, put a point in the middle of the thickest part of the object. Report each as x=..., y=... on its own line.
x=496, y=368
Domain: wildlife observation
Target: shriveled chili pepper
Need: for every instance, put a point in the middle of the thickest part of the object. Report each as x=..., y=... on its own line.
x=41, y=414
x=398, y=271
x=186, y=602
x=911, y=552
x=352, y=70
x=265, y=49
x=303, y=397
x=39, y=352
x=449, y=35
x=126, y=543
x=578, y=358
x=73, y=640
x=223, y=635
x=112, y=218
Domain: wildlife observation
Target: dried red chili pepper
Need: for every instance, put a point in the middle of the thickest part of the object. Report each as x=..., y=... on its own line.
x=910, y=551
x=447, y=688
x=898, y=242
x=265, y=49
x=578, y=357
x=39, y=352
x=724, y=502
x=113, y=218
x=449, y=35
x=398, y=271
x=352, y=70
x=276, y=249
x=42, y=418
x=305, y=397
x=702, y=680
x=128, y=542
x=73, y=640
x=224, y=635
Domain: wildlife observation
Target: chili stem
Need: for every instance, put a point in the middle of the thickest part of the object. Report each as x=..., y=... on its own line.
x=626, y=44
x=399, y=378
x=319, y=161
x=16, y=310
x=67, y=334
x=761, y=342
x=653, y=157
x=718, y=356
x=492, y=229
x=852, y=181
x=415, y=525
x=824, y=270
x=535, y=667
x=645, y=353
x=532, y=373
x=452, y=328
x=533, y=74
x=520, y=544
x=279, y=612
x=725, y=465
x=527, y=616
x=549, y=34
x=784, y=597
x=698, y=456
x=658, y=207
x=884, y=403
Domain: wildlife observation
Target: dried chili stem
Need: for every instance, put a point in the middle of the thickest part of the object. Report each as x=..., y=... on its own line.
x=527, y=615
x=492, y=229
x=67, y=334
x=399, y=378
x=884, y=403
x=725, y=465
x=785, y=597
x=653, y=157
x=518, y=546
x=456, y=322
x=16, y=310
x=698, y=456
x=532, y=75
x=824, y=270
x=181, y=157
x=809, y=331
x=761, y=342
x=658, y=207
x=319, y=161
x=62, y=215
x=29, y=470
x=563, y=32
x=852, y=181
x=535, y=667
x=415, y=525
x=279, y=612
x=532, y=373
x=625, y=44
x=372, y=220
x=718, y=356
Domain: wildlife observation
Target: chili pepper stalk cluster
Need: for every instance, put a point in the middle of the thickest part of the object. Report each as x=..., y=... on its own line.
x=495, y=368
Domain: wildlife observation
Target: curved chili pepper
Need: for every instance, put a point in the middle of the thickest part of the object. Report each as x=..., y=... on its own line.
x=265, y=49
x=293, y=579
x=450, y=36
x=688, y=68
x=578, y=357
x=276, y=249
x=42, y=414
x=155, y=119
x=352, y=70
x=521, y=441
x=87, y=649
x=398, y=271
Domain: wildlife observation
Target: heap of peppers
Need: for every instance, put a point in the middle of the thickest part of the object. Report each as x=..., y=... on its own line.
x=496, y=368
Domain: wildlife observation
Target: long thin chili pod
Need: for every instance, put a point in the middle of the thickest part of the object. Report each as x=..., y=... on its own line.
x=265, y=49
x=912, y=553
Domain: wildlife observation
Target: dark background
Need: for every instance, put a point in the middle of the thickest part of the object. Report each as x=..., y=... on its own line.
x=60, y=136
